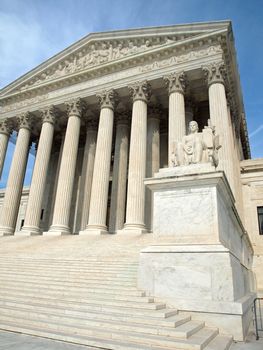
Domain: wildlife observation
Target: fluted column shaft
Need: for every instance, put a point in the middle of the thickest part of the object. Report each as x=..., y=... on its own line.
x=16, y=176
x=87, y=171
x=219, y=119
x=175, y=83
x=101, y=174
x=137, y=159
x=60, y=223
x=34, y=205
x=152, y=163
x=119, y=177
x=5, y=131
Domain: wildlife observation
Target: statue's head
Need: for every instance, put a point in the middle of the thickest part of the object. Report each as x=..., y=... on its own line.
x=193, y=127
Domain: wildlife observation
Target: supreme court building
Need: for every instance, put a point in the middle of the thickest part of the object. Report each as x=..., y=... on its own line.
x=117, y=152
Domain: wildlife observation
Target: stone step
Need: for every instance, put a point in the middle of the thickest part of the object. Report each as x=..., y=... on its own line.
x=71, y=287
x=80, y=303
x=59, y=277
x=78, y=283
x=102, y=298
x=221, y=342
x=80, y=326
x=108, y=344
x=60, y=290
x=198, y=341
x=83, y=318
x=73, y=309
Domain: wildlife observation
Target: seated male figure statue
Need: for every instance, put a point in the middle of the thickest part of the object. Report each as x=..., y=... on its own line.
x=190, y=150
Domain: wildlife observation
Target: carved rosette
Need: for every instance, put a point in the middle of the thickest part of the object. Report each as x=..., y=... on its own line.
x=214, y=73
x=108, y=99
x=175, y=82
x=5, y=127
x=25, y=121
x=75, y=107
x=49, y=115
x=140, y=90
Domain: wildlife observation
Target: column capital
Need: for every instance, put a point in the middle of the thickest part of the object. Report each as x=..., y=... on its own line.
x=175, y=82
x=214, y=73
x=155, y=109
x=5, y=127
x=75, y=107
x=108, y=99
x=49, y=114
x=25, y=121
x=140, y=90
x=122, y=118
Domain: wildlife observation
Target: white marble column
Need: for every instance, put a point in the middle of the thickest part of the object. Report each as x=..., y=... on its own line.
x=119, y=176
x=5, y=130
x=60, y=223
x=87, y=169
x=219, y=117
x=101, y=173
x=37, y=187
x=153, y=158
x=16, y=176
x=135, y=222
x=175, y=83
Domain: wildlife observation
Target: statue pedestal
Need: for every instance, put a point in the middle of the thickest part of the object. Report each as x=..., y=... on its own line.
x=206, y=266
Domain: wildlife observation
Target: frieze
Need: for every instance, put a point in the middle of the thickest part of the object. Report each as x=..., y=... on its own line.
x=192, y=55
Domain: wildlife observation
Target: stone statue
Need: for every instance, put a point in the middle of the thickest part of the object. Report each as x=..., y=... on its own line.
x=197, y=147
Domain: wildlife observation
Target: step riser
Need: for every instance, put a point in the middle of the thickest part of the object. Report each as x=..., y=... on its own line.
x=75, y=293
x=94, y=287
x=28, y=314
x=93, y=299
x=62, y=324
x=75, y=297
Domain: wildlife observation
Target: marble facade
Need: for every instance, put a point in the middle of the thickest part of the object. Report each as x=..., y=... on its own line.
x=108, y=116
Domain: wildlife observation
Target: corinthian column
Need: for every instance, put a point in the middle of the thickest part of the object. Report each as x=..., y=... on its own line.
x=5, y=130
x=153, y=157
x=137, y=160
x=119, y=176
x=16, y=176
x=60, y=223
x=34, y=205
x=101, y=174
x=175, y=83
x=219, y=117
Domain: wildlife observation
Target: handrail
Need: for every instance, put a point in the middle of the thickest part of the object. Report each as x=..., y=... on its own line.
x=260, y=316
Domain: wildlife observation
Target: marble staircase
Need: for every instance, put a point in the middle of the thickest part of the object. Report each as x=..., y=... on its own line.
x=83, y=290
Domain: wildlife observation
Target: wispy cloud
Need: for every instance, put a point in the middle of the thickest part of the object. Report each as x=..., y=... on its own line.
x=255, y=132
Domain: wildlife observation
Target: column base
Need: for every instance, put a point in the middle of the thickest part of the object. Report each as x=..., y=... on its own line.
x=6, y=231
x=133, y=229
x=28, y=231
x=57, y=230
x=94, y=230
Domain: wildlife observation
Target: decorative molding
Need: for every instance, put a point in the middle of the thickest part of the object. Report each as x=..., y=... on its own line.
x=75, y=107
x=141, y=90
x=108, y=99
x=49, y=114
x=215, y=73
x=6, y=127
x=175, y=82
x=190, y=56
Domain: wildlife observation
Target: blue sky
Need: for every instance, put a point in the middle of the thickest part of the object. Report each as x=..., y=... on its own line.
x=33, y=30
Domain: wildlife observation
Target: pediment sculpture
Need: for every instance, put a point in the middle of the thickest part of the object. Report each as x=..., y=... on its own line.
x=197, y=147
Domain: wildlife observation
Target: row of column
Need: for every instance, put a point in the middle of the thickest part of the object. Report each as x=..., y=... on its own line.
x=98, y=163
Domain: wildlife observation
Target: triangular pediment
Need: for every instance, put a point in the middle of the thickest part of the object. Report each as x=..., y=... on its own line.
x=96, y=50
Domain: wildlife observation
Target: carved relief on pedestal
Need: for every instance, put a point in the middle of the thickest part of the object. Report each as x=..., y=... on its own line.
x=197, y=147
